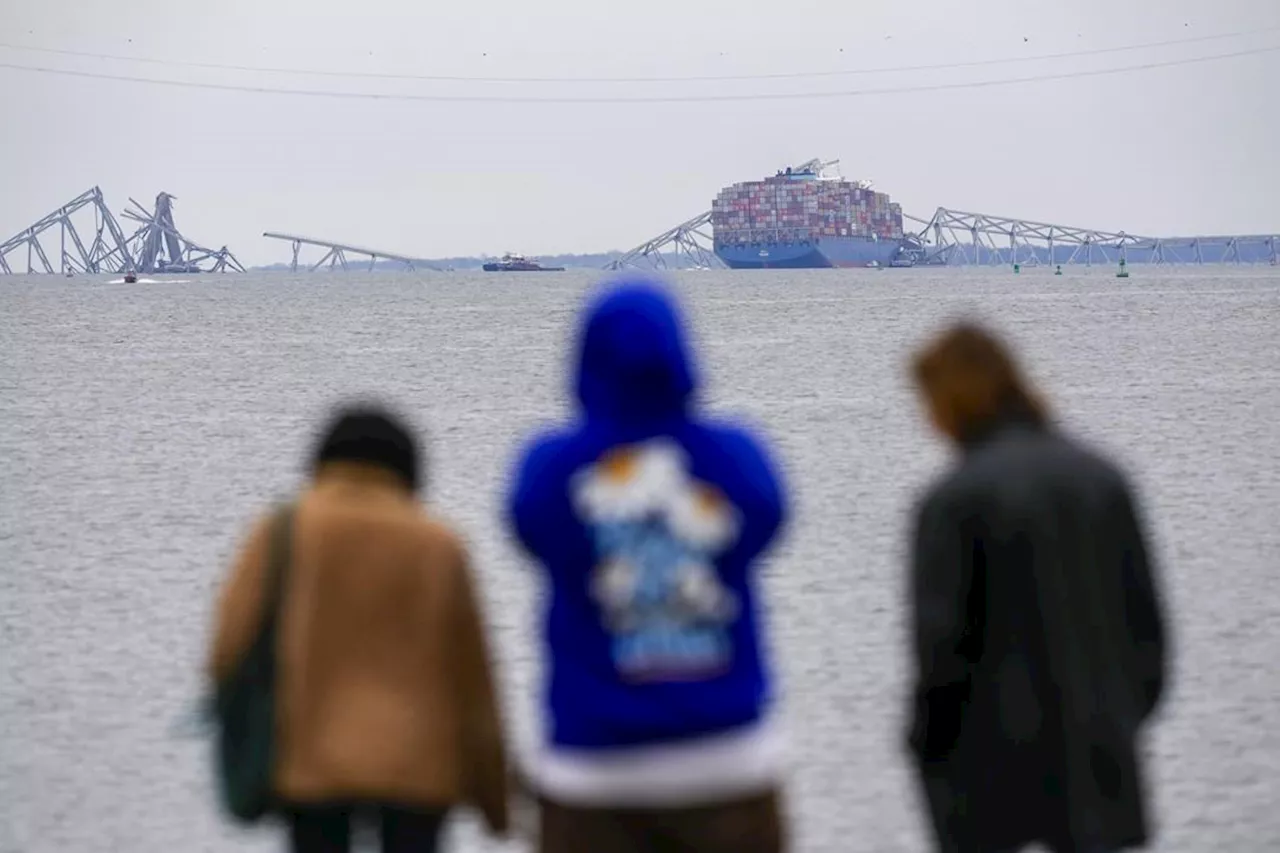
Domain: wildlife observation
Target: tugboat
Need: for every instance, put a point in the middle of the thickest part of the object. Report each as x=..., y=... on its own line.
x=518, y=263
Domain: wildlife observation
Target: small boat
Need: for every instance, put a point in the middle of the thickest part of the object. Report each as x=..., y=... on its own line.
x=512, y=262
x=130, y=277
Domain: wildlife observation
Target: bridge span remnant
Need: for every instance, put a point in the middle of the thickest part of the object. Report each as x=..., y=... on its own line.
x=336, y=256
x=1002, y=240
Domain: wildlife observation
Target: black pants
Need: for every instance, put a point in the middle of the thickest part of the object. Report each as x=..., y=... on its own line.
x=327, y=828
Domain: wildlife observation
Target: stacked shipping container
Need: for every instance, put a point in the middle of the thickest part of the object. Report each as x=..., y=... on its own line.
x=802, y=209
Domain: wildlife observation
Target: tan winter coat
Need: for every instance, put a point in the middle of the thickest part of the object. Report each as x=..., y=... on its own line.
x=385, y=690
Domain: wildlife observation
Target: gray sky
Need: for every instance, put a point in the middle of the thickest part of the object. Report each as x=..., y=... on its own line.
x=1161, y=151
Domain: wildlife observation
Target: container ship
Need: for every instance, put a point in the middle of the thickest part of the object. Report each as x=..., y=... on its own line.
x=807, y=218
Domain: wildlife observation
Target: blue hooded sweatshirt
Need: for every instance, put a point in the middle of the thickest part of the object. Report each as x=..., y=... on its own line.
x=648, y=521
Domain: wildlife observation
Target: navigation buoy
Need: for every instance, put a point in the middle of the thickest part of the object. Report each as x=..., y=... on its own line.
x=1058, y=271
x=1124, y=272
x=1017, y=268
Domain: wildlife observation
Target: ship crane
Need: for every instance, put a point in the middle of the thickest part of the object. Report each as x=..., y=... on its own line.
x=828, y=170
x=817, y=166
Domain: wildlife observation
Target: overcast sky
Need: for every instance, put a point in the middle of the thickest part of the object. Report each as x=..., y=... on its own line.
x=1171, y=150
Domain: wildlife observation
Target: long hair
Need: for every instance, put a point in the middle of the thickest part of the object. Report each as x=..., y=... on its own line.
x=973, y=383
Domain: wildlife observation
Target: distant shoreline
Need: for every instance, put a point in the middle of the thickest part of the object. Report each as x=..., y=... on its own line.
x=593, y=261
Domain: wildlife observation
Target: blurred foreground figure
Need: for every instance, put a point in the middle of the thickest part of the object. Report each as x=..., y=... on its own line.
x=384, y=702
x=648, y=521
x=1039, y=638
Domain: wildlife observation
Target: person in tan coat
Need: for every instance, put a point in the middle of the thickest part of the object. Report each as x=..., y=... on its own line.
x=385, y=698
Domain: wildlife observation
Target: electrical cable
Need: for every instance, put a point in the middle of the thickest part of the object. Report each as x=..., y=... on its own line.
x=793, y=75
x=654, y=99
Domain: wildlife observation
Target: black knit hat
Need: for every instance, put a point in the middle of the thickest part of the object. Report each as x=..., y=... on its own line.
x=373, y=435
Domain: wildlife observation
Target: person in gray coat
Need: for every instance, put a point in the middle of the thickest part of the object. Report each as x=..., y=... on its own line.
x=1039, y=637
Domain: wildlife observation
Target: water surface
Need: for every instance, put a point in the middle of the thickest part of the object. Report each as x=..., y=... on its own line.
x=144, y=425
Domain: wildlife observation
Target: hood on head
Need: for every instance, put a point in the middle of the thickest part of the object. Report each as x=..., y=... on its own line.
x=633, y=360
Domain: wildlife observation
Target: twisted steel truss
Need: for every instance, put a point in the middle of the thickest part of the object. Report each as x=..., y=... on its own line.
x=159, y=247
x=106, y=252
x=960, y=237
x=687, y=245
x=156, y=246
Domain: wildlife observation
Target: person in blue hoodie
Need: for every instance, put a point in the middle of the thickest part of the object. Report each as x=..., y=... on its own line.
x=649, y=520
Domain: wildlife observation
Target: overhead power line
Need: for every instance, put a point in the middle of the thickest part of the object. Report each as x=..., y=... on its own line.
x=792, y=75
x=649, y=99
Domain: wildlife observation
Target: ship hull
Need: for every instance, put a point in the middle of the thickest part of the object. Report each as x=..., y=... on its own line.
x=825, y=253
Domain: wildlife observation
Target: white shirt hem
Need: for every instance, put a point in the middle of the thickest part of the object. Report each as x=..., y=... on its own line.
x=718, y=767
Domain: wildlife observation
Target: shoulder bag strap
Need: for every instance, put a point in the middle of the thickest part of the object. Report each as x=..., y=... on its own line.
x=279, y=557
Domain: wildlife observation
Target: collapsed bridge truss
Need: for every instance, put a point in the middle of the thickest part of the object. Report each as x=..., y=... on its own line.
x=956, y=238
x=155, y=246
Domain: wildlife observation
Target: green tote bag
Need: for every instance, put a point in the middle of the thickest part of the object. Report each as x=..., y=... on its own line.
x=244, y=704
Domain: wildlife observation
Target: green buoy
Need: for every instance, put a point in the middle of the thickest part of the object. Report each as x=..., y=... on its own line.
x=1124, y=272
x=1058, y=271
x=1017, y=267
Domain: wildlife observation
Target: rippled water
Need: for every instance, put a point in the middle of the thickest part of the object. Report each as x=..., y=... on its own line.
x=144, y=425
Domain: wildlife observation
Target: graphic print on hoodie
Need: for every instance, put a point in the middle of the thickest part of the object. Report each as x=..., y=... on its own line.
x=647, y=519
x=657, y=532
